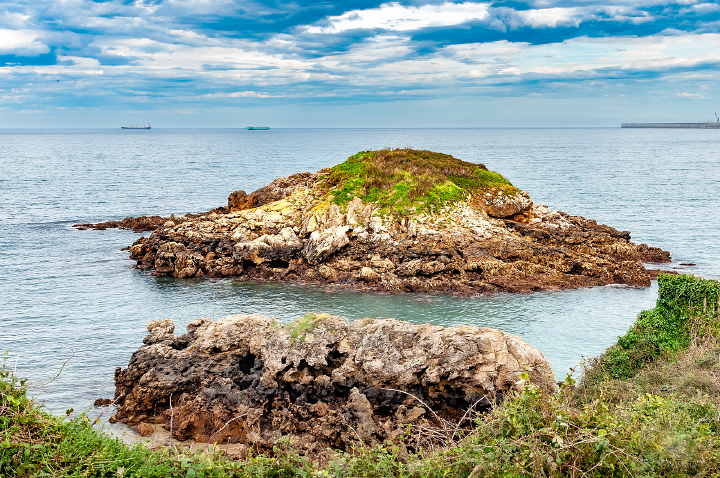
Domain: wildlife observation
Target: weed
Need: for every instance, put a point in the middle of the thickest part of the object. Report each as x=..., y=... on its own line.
x=303, y=325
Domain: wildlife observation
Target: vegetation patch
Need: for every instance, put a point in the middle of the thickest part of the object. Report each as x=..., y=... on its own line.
x=687, y=307
x=306, y=323
x=406, y=181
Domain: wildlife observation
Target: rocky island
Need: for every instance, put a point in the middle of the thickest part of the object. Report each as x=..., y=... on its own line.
x=394, y=220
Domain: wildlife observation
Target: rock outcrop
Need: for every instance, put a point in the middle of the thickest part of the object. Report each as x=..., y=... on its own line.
x=320, y=381
x=237, y=201
x=308, y=228
x=394, y=221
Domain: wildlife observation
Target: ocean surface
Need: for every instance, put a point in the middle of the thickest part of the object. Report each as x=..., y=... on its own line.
x=68, y=293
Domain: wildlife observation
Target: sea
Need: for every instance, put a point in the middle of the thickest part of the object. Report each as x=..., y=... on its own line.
x=73, y=308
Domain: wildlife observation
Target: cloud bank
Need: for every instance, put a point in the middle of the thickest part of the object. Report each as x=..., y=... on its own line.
x=150, y=54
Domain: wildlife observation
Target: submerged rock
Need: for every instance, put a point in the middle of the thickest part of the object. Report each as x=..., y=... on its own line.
x=452, y=226
x=321, y=381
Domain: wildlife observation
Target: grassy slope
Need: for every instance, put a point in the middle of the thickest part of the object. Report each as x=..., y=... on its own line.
x=404, y=181
x=651, y=412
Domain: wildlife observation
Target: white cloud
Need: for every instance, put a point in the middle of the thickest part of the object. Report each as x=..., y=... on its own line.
x=236, y=94
x=222, y=68
x=22, y=42
x=14, y=19
x=705, y=8
x=551, y=17
x=393, y=16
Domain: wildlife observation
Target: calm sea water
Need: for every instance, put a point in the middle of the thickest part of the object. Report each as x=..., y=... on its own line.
x=65, y=292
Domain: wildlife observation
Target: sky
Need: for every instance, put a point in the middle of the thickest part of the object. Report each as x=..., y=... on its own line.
x=305, y=63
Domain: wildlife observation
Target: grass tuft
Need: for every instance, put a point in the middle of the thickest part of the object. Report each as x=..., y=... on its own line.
x=406, y=181
x=303, y=325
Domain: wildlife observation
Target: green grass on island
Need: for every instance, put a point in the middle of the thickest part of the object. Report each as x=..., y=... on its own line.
x=648, y=407
x=405, y=181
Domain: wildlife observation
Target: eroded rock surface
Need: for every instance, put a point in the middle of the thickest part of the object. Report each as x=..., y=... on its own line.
x=280, y=188
x=320, y=381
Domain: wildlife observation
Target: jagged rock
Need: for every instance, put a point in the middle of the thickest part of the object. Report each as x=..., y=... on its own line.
x=159, y=330
x=322, y=244
x=137, y=224
x=276, y=190
x=283, y=246
x=148, y=223
x=144, y=429
x=188, y=264
x=320, y=381
x=368, y=275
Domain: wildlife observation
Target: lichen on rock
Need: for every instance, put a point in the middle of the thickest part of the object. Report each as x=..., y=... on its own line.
x=320, y=381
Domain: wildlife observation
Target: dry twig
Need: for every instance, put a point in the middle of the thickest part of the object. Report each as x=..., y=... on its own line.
x=55, y=377
x=223, y=427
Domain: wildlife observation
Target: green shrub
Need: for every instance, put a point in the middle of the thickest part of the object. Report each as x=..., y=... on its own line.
x=686, y=307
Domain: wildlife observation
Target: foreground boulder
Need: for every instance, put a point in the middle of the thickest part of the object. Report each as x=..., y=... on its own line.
x=399, y=220
x=320, y=381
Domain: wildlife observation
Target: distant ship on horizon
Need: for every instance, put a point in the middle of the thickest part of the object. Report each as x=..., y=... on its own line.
x=250, y=126
x=136, y=126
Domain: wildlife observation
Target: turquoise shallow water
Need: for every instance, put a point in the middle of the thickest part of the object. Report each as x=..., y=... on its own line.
x=64, y=291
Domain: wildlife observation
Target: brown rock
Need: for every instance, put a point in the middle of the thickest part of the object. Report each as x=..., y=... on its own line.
x=500, y=206
x=328, y=273
x=144, y=429
x=276, y=190
x=320, y=381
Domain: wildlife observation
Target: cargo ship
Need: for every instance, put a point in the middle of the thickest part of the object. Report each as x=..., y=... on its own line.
x=708, y=125
x=250, y=126
x=136, y=126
